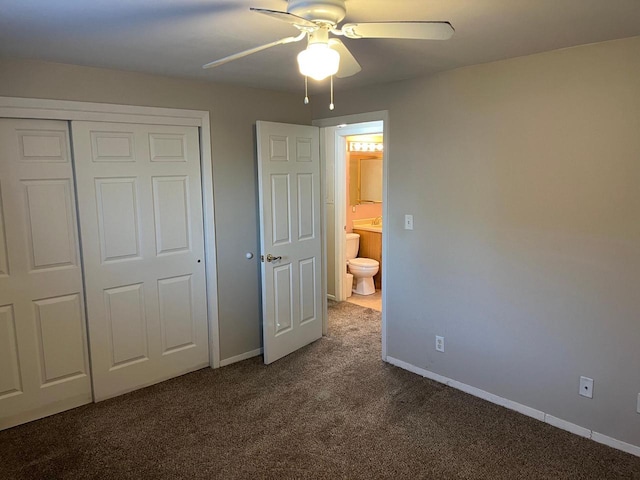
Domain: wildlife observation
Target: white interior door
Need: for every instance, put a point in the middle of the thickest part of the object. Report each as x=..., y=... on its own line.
x=44, y=366
x=140, y=205
x=289, y=184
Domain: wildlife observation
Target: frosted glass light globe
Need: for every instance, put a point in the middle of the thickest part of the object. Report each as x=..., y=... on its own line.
x=318, y=61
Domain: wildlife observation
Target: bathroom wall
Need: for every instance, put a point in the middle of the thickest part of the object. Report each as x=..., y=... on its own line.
x=365, y=210
x=522, y=177
x=233, y=112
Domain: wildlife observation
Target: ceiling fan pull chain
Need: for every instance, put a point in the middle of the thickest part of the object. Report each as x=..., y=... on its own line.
x=306, y=93
x=331, y=106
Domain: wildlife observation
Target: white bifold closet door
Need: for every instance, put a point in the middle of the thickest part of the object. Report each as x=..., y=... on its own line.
x=140, y=207
x=44, y=366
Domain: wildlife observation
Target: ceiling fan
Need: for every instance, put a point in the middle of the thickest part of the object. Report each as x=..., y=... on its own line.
x=326, y=56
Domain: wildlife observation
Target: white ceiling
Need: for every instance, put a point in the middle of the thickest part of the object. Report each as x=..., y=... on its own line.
x=175, y=37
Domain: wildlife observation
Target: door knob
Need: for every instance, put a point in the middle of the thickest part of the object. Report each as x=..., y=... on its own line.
x=271, y=258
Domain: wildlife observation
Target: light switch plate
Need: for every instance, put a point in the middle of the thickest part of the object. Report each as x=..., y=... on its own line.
x=408, y=222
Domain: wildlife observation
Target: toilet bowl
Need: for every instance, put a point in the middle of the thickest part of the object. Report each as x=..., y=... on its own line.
x=363, y=270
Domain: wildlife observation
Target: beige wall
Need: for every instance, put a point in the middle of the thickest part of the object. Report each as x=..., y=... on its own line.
x=523, y=177
x=233, y=112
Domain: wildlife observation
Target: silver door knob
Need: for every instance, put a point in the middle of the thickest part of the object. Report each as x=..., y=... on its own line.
x=271, y=258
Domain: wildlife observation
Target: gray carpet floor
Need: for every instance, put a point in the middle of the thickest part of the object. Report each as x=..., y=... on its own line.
x=331, y=410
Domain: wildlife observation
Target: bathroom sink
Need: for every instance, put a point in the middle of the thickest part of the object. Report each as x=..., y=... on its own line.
x=368, y=225
x=369, y=228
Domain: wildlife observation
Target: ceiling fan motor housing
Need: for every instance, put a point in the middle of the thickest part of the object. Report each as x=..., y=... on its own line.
x=324, y=11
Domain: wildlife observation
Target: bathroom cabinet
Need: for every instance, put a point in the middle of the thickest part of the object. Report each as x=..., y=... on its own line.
x=371, y=247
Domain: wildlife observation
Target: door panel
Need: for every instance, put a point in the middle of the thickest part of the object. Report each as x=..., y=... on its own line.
x=176, y=314
x=10, y=378
x=168, y=147
x=44, y=365
x=283, y=298
x=308, y=306
x=126, y=320
x=60, y=328
x=42, y=145
x=118, y=224
x=51, y=224
x=112, y=147
x=171, y=209
x=4, y=260
x=289, y=171
x=306, y=207
x=142, y=239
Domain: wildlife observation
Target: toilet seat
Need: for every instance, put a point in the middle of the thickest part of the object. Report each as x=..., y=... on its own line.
x=364, y=262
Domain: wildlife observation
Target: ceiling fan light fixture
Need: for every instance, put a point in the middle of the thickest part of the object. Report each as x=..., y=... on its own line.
x=318, y=61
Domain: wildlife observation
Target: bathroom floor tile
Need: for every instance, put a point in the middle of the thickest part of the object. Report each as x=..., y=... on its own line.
x=373, y=301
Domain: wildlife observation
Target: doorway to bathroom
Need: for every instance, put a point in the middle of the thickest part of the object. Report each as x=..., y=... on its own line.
x=363, y=167
x=354, y=154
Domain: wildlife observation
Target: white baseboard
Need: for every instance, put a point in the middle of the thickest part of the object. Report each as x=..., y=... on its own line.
x=614, y=443
x=518, y=407
x=503, y=402
x=242, y=356
x=568, y=426
x=331, y=297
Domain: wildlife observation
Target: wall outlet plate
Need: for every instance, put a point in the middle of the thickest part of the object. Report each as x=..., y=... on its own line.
x=586, y=387
x=439, y=343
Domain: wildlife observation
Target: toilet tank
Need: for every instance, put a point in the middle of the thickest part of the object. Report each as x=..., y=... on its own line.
x=353, y=242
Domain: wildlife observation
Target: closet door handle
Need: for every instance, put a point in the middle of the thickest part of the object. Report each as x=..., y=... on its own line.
x=271, y=258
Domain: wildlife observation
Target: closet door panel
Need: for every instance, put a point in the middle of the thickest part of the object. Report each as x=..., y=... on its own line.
x=140, y=197
x=43, y=340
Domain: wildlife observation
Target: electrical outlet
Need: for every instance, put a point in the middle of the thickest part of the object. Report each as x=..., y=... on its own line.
x=439, y=343
x=408, y=222
x=586, y=387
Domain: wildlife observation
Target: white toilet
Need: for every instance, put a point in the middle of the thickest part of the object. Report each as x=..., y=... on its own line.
x=363, y=269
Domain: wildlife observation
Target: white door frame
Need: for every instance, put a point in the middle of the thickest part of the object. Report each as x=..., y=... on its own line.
x=13, y=107
x=340, y=196
x=340, y=162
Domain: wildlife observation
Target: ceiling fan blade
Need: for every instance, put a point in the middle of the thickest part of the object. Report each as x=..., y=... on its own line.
x=410, y=30
x=348, y=64
x=290, y=18
x=251, y=51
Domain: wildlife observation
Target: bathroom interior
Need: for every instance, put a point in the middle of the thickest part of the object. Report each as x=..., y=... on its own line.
x=364, y=182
